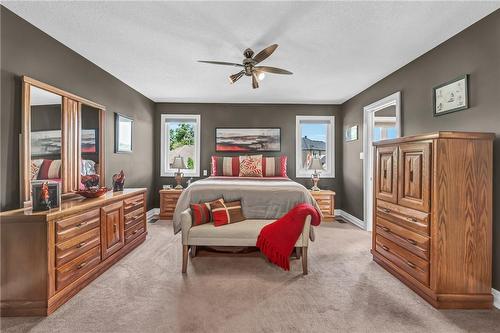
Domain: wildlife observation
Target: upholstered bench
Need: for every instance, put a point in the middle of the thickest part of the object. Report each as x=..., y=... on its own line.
x=242, y=233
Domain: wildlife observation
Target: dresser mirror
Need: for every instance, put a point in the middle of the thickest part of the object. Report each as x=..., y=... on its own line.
x=61, y=141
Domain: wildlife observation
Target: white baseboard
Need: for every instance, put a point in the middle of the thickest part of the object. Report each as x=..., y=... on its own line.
x=152, y=213
x=496, y=298
x=350, y=218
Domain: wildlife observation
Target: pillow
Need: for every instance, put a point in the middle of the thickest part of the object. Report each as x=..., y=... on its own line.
x=201, y=213
x=35, y=168
x=50, y=169
x=225, y=166
x=274, y=166
x=251, y=166
x=226, y=212
x=271, y=166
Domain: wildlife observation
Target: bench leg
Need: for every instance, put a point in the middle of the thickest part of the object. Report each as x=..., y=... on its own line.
x=193, y=251
x=185, y=249
x=304, y=260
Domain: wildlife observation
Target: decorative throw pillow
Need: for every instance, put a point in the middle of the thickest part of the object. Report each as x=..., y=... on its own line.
x=251, y=166
x=226, y=212
x=35, y=168
x=201, y=213
x=274, y=166
x=225, y=166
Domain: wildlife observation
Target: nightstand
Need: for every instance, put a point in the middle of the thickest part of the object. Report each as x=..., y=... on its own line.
x=168, y=201
x=326, y=202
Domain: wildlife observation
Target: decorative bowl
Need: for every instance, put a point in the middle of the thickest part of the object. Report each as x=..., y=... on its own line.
x=93, y=192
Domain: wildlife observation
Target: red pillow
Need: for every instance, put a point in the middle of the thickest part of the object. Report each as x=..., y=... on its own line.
x=201, y=213
x=226, y=212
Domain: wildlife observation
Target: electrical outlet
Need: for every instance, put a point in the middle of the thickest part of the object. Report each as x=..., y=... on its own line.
x=205, y=173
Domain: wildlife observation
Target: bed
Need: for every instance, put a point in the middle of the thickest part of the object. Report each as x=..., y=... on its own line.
x=261, y=197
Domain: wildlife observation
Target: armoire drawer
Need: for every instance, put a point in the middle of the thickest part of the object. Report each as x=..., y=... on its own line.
x=408, y=218
x=404, y=259
x=406, y=238
x=76, y=246
x=77, y=267
x=75, y=225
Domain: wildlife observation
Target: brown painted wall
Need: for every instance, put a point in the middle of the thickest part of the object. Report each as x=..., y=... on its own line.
x=252, y=115
x=475, y=51
x=25, y=50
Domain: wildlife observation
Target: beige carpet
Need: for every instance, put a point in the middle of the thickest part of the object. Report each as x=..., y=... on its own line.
x=345, y=291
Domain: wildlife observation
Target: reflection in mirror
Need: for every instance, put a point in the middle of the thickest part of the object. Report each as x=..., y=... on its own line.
x=90, y=146
x=45, y=108
x=384, y=124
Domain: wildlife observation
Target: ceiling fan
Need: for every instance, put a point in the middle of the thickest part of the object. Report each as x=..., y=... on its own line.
x=250, y=67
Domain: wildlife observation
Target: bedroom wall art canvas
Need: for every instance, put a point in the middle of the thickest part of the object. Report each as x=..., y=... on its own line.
x=44, y=143
x=351, y=133
x=451, y=96
x=248, y=139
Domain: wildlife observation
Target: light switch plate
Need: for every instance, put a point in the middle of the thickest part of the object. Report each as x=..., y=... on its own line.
x=362, y=156
x=205, y=173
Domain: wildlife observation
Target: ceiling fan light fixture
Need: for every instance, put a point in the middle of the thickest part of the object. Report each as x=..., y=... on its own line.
x=261, y=76
x=235, y=77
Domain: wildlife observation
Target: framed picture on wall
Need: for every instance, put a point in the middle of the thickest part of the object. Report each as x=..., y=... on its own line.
x=451, y=96
x=248, y=139
x=351, y=133
x=123, y=133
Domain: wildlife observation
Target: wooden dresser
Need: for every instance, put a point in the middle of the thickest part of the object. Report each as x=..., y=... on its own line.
x=47, y=257
x=433, y=215
x=168, y=201
x=326, y=202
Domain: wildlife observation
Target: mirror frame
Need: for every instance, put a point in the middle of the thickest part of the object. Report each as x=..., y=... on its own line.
x=70, y=140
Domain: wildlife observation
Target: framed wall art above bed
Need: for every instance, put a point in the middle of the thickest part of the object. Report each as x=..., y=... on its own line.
x=248, y=139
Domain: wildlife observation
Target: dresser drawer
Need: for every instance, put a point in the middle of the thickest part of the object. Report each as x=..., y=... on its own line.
x=77, y=267
x=129, y=223
x=404, y=259
x=135, y=214
x=77, y=224
x=406, y=238
x=408, y=218
x=135, y=231
x=131, y=204
x=76, y=246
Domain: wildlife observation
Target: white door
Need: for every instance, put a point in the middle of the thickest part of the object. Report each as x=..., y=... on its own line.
x=382, y=120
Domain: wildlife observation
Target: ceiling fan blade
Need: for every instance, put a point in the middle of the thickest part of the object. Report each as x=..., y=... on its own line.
x=221, y=63
x=273, y=70
x=235, y=77
x=255, y=81
x=262, y=55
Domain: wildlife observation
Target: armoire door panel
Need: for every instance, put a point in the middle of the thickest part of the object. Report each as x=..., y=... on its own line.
x=112, y=229
x=386, y=174
x=414, y=175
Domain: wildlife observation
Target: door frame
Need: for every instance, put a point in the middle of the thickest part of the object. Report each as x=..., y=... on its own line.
x=368, y=111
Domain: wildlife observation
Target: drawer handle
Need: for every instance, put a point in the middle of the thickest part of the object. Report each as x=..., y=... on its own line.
x=412, y=219
x=134, y=232
x=385, y=248
x=83, y=264
x=386, y=229
x=81, y=224
x=82, y=244
x=412, y=265
x=386, y=210
x=411, y=241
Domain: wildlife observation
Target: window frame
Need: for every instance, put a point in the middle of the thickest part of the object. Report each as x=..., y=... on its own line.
x=165, y=142
x=330, y=146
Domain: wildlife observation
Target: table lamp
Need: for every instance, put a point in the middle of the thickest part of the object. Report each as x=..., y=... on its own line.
x=315, y=165
x=178, y=164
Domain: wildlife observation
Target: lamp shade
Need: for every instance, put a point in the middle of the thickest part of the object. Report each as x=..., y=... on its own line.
x=178, y=163
x=316, y=164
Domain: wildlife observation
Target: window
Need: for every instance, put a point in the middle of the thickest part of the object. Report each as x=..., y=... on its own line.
x=315, y=139
x=180, y=136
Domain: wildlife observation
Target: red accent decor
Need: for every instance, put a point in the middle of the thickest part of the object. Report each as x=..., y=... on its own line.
x=276, y=240
x=93, y=193
x=283, y=160
x=235, y=166
x=214, y=166
x=201, y=213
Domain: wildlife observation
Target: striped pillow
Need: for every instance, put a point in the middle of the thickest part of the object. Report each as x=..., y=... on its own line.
x=226, y=212
x=200, y=213
x=50, y=169
x=230, y=166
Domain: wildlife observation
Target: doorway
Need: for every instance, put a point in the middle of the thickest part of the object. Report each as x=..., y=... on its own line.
x=382, y=120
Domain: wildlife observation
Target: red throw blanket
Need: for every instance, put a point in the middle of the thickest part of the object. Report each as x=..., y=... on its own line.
x=276, y=240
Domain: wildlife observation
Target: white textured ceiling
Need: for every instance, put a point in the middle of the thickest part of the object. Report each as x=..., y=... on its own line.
x=335, y=49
